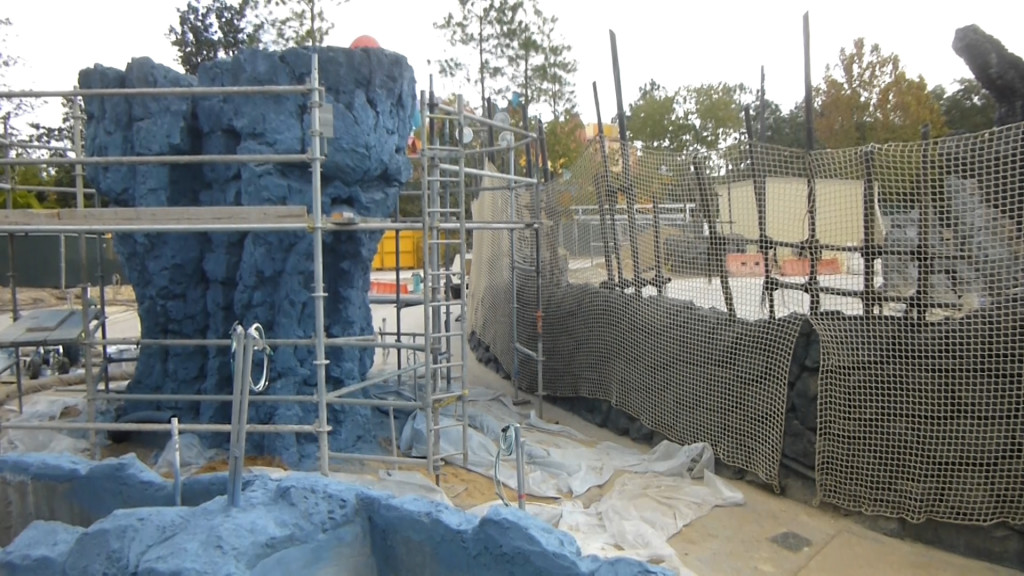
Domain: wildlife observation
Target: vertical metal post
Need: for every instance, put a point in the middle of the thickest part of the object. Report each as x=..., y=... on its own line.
x=443, y=256
x=517, y=436
x=431, y=317
x=63, y=263
x=90, y=382
x=176, y=463
x=869, y=249
x=705, y=206
x=627, y=159
x=513, y=272
x=102, y=282
x=609, y=230
x=464, y=313
x=812, y=197
x=398, y=326
x=764, y=245
x=924, y=259
x=538, y=215
x=490, y=130
x=9, y=173
x=659, y=267
x=319, y=295
x=239, y=416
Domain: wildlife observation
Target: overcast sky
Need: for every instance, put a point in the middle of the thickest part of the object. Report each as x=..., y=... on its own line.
x=676, y=43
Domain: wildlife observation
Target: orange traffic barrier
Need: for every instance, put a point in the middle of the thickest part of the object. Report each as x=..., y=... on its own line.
x=802, y=267
x=380, y=287
x=749, y=265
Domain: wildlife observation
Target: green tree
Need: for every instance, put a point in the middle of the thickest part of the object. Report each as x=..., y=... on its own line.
x=704, y=117
x=655, y=120
x=215, y=29
x=301, y=22
x=786, y=129
x=537, y=63
x=715, y=114
x=868, y=97
x=483, y=27
x=563, y=136
x=968, y=108
x=9, y=108
x=60, y=137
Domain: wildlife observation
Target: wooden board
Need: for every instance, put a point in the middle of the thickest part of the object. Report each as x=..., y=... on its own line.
x=164, y=215
x=45, y=328
x=71, y=329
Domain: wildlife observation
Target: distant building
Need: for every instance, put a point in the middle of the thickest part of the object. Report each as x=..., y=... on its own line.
x=611, y=136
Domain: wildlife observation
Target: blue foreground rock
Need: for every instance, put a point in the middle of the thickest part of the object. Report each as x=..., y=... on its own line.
x=197, y=285
x=300, y=523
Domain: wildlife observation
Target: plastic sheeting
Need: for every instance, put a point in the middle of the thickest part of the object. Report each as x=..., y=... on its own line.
x=42, y=408
x=655, y=495
x=193, y=456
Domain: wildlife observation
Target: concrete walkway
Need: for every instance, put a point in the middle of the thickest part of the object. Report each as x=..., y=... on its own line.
x=741, y=540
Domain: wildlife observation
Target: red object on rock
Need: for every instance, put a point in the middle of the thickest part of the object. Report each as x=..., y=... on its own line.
x=364, y=42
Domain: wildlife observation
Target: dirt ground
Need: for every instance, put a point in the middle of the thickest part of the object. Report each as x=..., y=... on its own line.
x=36, y=298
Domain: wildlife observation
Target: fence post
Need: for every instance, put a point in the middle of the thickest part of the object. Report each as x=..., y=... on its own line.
x=764, y=245
x=716, y=243
x=869, y=247
x=813, y=248
x=923, y=252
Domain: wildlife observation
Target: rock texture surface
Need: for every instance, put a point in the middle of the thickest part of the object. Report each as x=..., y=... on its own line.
x=198, y=285
x=299, y=521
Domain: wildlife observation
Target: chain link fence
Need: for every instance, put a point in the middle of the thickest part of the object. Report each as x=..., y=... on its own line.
x=678, y=287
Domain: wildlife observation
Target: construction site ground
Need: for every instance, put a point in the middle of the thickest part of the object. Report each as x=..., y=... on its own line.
x=755, y=538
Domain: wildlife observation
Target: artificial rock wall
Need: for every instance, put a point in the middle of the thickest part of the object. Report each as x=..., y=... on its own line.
x=198, y=285
x=77, y=517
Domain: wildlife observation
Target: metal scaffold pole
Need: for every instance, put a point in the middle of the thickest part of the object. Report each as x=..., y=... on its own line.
x=431, y=173
x=445, y=230
x=87, y=309
x=9, y=174
x=463, y=307
x=319, y=295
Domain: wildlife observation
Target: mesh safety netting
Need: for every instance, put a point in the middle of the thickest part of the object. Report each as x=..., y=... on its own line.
x=677, y=287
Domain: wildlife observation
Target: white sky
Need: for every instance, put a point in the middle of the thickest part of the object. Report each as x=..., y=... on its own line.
x=677, y=43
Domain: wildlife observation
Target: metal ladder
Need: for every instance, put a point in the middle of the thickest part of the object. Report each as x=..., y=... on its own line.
x=444, y=232
x=525, y=263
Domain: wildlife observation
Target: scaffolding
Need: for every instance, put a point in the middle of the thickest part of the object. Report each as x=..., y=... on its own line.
x=442, y=345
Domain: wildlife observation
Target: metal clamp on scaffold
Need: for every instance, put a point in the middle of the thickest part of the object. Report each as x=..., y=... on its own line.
x=256, y=337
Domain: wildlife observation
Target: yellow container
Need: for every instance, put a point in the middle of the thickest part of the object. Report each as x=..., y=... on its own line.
x=409, y=253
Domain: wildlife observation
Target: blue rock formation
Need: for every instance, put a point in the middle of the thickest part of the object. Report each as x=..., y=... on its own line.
x=198, y=285
x=302, y=522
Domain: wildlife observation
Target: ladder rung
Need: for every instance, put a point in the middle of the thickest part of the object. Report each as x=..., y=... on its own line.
x=447, y=334
x=446, y=426
x=447, y=365
x=447, y=395
x=526, y=267
x=445, y=273
x=450, y=455
x=446, y=303
x=524, y=350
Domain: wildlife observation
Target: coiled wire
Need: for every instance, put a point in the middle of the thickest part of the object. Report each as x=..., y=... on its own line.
x=260, y=340
x=506, y=446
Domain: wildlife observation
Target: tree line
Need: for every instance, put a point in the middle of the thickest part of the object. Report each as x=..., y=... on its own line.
x=512, y=53
x=866, y=96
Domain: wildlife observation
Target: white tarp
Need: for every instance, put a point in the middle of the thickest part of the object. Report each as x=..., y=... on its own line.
x=43, y=408
x=655, y=496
